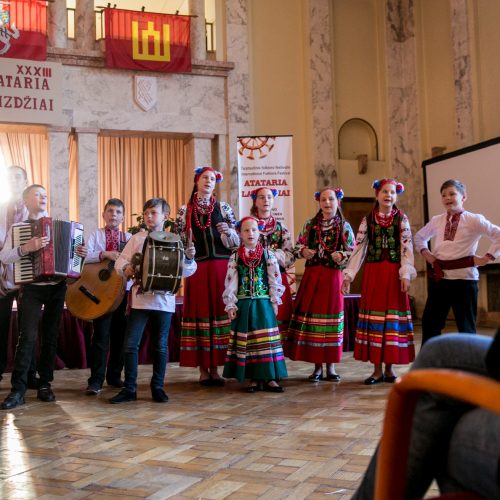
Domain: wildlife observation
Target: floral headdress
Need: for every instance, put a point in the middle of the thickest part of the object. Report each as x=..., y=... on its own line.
x=339, y=193
x=378, y=184
x=199, y=170
x=260, y=223
x=255, y=192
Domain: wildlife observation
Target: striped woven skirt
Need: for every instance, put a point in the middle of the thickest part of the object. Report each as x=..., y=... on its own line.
x=385, y=330
x=254, y=350
x=316, y=331
x=205, y=324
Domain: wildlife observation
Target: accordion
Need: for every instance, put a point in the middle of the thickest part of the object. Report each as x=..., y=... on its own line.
x=56, y=260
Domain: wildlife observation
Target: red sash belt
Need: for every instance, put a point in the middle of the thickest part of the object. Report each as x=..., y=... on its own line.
x=439, y=265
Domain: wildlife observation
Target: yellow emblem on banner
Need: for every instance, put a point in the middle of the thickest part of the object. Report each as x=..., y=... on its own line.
x=144, y=55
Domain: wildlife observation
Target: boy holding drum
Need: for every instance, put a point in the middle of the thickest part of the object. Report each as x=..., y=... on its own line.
x=156, y=307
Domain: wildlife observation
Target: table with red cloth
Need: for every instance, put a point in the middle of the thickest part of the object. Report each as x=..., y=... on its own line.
x=73, y=344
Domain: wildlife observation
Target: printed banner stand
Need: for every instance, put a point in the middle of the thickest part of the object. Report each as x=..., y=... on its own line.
x=266, y=161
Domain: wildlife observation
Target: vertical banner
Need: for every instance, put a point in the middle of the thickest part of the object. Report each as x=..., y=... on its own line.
x=266, y=161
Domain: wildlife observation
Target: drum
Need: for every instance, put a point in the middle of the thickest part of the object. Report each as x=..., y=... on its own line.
x=162, y=259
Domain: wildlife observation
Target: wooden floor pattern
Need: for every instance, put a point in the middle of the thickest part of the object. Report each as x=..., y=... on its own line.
x=313, y=441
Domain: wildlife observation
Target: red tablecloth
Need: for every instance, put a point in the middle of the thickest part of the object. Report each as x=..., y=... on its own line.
x=75, y=334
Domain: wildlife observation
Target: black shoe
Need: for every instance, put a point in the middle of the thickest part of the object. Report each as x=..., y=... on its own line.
x=315, y=377
x=33, y=382
x=123, y=397
x=159, y=395
x=45, y=394
x=333, y=377
x=93, y=389
x=217, y=382
x=373, y=380
x=273, y=388
x=12, y=400
x=390, y=379
x=115, y=383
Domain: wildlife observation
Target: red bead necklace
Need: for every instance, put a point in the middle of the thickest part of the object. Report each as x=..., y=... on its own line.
x=251, y=260
x=385, y=220
x=336, y=230
x=207, y=210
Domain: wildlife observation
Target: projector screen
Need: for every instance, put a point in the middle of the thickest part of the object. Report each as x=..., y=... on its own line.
x=478, y=167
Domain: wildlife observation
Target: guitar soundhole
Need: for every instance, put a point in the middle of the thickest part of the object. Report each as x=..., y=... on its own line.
x=104, y=275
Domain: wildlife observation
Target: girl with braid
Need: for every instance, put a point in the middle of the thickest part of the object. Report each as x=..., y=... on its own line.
x=316, y=331
x=384, y=244
x=205, y=324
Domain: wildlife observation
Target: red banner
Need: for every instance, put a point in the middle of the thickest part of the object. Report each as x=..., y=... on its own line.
x=23, y=29
x=147, y=41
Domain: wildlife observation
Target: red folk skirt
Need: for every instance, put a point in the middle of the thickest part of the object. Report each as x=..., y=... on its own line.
x=205, y=324
x=316, y=330
x=385, y=330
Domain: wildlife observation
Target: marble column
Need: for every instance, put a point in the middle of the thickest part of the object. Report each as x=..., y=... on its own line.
x=238, y=93
x=85, y=25
x=198, y=30
x=404, y=151
x=57, y=23
x=322, y=87
x=59, y=173
x=88, y=177
x=462, y=67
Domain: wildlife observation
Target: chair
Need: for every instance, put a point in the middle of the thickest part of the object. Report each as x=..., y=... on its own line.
x=392, y=463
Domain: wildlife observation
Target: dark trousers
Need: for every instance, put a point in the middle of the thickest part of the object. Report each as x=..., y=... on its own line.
x=160, y=326
x=460, y=296
x=31, y=300
x=108, y=336
x=5, y=318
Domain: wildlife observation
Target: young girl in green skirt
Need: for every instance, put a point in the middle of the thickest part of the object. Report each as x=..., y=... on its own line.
x=252, y=294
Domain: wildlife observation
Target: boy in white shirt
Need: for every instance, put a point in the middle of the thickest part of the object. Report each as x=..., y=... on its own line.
x=456, y=236
x=109, y=330
x=156, y=307
x=48, y=295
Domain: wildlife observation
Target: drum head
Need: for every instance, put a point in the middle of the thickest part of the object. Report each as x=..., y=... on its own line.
x=165, y=237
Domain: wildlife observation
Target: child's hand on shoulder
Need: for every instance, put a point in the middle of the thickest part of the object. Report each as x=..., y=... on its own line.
x=232, y=313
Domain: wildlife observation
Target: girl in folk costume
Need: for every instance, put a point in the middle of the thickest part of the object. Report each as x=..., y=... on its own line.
x=385, y=330
x=252, y=296
x=276, y=237
x=317, y=325
x=205, y=324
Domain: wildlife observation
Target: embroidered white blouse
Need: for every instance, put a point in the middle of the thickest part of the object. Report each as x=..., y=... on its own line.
x=276, y=289
x=471, y=227
x=407, y=269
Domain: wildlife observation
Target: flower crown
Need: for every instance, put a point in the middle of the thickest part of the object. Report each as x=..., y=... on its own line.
x=199, y=170
x=260, y=223
x=339, y=193
x=255, y=192
x=378, y=184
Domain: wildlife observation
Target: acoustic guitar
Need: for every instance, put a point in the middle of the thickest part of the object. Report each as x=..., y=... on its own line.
x=98, y=291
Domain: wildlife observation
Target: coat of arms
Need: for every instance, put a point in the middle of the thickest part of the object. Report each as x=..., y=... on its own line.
x=145, y=92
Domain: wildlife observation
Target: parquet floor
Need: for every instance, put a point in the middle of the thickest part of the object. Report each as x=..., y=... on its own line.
x=314, y=441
